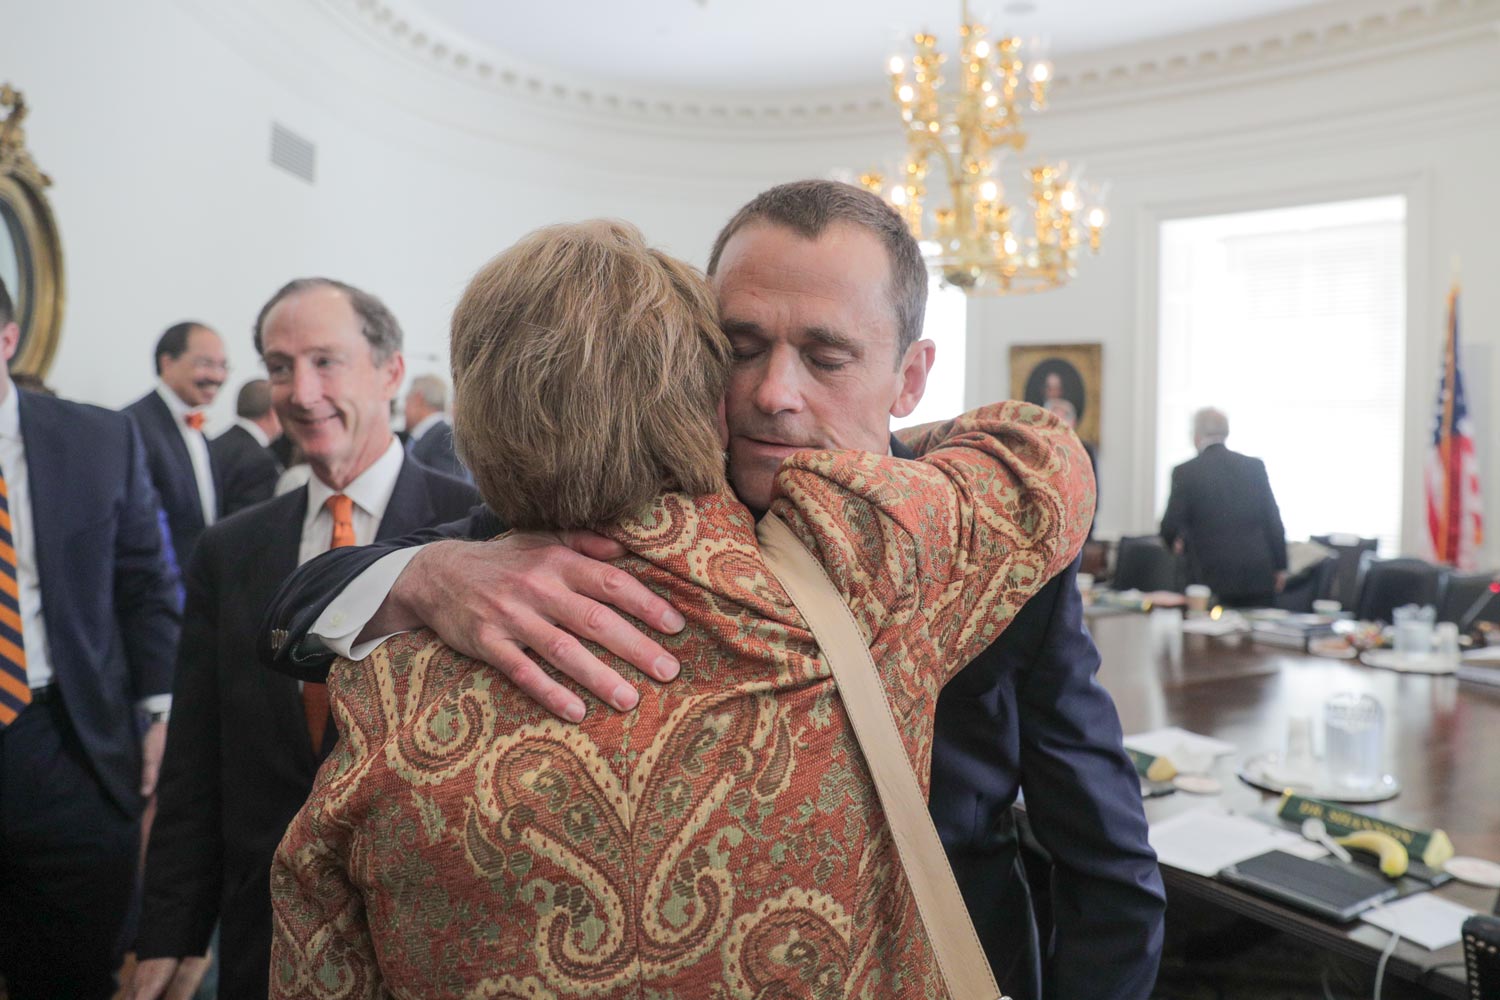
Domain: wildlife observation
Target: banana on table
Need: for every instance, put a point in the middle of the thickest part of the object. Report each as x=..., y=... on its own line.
x=1393, y=843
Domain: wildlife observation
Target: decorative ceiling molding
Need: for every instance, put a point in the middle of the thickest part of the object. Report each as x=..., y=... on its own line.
x=1294, y=42
x=405, y=28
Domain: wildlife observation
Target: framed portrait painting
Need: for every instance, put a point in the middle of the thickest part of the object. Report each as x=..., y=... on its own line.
x=1064, y=378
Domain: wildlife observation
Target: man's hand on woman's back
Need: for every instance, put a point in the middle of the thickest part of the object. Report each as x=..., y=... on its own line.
x=543, y=591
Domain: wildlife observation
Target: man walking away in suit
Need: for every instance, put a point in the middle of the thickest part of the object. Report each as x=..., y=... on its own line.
x=88, y=627
x=429, y=435
x=1222, y=515
x=191, y=369
x=247, y=467
x=245, y=743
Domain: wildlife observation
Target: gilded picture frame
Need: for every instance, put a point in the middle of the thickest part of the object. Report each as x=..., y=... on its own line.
x=31, y=259
x=1065, y=378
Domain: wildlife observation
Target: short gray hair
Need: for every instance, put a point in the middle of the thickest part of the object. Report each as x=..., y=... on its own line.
x=1210, y=426
x=376, y=321
x=807, y=208
x=432, y=389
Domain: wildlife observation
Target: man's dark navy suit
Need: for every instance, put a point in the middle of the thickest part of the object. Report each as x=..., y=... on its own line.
x=172, y=473
x=70, y=763
x=1221, y=507
x=1026, y=713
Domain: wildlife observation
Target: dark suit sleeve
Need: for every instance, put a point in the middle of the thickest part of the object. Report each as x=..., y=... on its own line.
x=1083, y=802
x=283, y=644
x=1275, y=532
x=146, y=596
x=1174, y=520
x=185, y=859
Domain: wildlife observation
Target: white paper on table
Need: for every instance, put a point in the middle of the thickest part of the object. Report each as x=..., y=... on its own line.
x=1179, y=746
x=1227, y=625
x=1202, y=841
x=1428, y=920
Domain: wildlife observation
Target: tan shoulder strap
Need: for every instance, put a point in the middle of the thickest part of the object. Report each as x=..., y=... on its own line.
x=960, y=957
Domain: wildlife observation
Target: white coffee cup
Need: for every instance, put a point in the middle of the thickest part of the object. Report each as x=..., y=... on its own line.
x=1198, y=597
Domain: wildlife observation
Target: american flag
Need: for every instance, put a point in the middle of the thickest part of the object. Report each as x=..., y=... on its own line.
x=1455, y=516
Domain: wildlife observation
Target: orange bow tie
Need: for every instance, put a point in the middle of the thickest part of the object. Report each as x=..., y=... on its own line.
x=195, y=421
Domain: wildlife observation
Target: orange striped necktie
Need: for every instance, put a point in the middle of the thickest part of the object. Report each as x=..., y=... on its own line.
x=342, y=509
x=15, y=692
x=315, y=696
x=194, y=420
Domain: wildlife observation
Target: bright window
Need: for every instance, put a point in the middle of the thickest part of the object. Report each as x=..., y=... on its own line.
x=946, y=325
x=1293, y=322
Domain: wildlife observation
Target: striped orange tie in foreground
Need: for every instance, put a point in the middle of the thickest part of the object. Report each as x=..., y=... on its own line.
x=15, y=692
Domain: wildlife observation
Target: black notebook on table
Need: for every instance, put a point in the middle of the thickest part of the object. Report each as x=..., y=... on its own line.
x=1331, y=890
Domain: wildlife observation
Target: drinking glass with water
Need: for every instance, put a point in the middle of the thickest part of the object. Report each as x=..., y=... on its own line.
x=1354, y=737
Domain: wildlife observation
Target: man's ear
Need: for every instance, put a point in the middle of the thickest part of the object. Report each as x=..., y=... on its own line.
x=10, y=340
x=915, y=365
x=394, y=371
x=723, y=424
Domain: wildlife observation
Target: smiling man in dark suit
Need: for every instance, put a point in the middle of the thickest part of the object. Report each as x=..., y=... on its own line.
x=245, y=743
x=247, y=467
x=1027, y=713
x=191, y=369
x=88, y=626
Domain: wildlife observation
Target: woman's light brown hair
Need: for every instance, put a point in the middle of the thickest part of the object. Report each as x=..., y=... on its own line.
x=587, y=373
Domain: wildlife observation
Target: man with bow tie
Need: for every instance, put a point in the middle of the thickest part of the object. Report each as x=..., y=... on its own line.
x=191, y=369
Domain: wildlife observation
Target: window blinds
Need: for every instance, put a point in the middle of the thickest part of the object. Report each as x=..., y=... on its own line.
x=1293, y=322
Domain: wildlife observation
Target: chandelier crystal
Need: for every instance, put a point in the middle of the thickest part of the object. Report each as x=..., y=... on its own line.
x=976, y=242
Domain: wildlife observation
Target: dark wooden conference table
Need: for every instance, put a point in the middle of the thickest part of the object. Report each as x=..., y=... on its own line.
x=1442, y=743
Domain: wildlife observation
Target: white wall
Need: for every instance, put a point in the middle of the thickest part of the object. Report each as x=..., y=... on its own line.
x=153, y=119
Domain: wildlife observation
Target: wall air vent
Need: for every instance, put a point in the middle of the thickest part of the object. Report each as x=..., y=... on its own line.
x=292, y=153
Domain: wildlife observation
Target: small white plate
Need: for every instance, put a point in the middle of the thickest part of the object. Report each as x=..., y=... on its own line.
x=1197, y=784
x=1264, y=772
x=1475, y=871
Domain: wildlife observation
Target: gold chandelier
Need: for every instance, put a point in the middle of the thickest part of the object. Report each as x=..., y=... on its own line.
x=974, y=242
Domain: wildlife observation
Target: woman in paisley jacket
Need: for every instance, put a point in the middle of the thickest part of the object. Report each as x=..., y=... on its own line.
x=723, y=840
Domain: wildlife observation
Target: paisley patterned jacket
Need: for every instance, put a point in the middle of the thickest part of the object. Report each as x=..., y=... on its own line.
x=723, y=840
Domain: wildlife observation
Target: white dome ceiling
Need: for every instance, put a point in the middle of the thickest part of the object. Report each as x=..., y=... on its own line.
x=719, y=46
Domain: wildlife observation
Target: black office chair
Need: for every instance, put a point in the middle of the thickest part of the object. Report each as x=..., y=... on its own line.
x=1481, y=935
x=1387, y=584
x=1344, y=587
x=1307, y=586
x=1143, y=562
x=1470, y=593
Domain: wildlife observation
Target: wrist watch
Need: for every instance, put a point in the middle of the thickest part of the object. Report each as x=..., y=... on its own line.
x=155, y=717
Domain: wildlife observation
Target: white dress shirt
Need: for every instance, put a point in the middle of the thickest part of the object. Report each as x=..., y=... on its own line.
x=197, y=446
x=346, y=617
x=39, y=672
x=371, y=492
